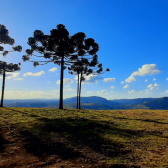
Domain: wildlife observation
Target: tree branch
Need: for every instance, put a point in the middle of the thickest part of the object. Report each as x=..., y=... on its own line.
x=7, y=51
x=37, y=55
x=45, y=63
x=40, y=61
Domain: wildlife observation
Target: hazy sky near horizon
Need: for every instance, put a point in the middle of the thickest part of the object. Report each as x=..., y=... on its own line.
x=133, y=40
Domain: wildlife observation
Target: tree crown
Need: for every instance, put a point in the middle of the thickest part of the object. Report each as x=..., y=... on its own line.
x=59, y=44
x=6, y=39
x=9, y=67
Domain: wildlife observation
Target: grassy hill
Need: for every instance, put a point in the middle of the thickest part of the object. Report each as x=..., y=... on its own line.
x=44, y=137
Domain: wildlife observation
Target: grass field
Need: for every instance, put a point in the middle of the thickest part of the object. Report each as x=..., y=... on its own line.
x=36, y=137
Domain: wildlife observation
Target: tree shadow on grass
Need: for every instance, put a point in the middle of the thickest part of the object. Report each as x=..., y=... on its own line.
x=40, y=147
x=3, y=142
x=61, y=137
x=72, y=133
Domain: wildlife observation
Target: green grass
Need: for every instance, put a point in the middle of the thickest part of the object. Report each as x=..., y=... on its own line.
x=115, y=136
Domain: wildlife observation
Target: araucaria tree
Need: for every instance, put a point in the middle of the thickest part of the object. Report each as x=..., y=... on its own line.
x=82, y=69
x=58, y=47
x=4, y=67
x=85, y=61
x=76, y=69
x=87, y=49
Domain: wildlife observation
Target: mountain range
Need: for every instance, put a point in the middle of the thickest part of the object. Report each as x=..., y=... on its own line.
x=93, y=102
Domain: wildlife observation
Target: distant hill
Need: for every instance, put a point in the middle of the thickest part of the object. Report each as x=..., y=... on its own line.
x=94, y=103
x=91, y=100
x=43, y=103
x=90, y=106
x=132, y=101
x=160, y=103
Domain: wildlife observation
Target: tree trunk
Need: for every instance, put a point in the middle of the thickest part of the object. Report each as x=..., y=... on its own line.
x=3, y=88
x=80, y=91
x=61, y=83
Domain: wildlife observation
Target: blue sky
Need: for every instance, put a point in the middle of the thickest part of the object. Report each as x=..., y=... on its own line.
x=133, y=41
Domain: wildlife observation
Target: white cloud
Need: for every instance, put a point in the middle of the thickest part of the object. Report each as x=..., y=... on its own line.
x=52, y=94
x=29, y=94
x=53, y=69
x=126, y=86
x=166, y=91
x=112, y=87
x=109, y=79
x=66, y=81
x=152, y=88
x=140, y=92
x=166, y=78
x=34, y=74
x=56, y=90
x=131, y=92
x=68, y=86
x=89, y=92
x=149, y=86
x=154, y=79
x=146, y=90
x=122, y=82
x=156, y=84
x=10, y=75
x=18, y=78
x=147, y=69
x=130, y=79
x=48, y=81
x=90, y=78
x=69, y=89
x=146, y=80
x=102, y=91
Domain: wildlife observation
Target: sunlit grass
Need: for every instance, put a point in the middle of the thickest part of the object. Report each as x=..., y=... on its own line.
x=141, y=135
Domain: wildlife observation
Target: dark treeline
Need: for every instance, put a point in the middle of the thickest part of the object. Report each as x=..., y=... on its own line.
x=76, y=52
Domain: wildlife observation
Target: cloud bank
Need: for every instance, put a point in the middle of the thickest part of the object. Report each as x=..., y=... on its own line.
x=66, y=81
x=34, y=74
x=53, y=69
x=147, y=69
x=109, y=80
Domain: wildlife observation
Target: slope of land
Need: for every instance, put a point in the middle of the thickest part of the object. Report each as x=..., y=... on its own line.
x=43, y=137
